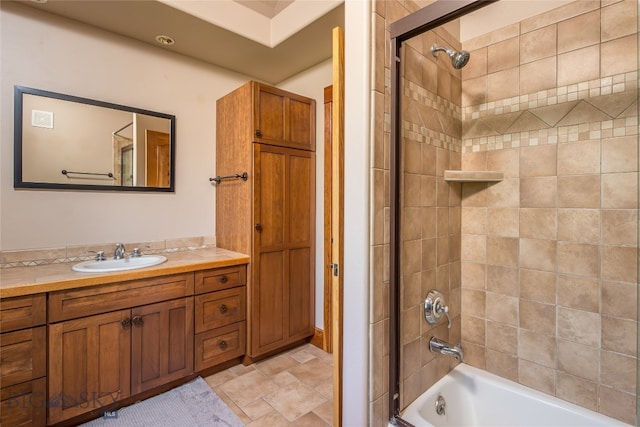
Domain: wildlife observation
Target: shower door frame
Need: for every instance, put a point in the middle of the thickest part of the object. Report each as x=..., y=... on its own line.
x=425, y=19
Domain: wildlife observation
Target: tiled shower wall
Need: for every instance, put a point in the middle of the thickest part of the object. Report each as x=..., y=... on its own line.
x=549, y=255
x=383, y=14
x=430, y=208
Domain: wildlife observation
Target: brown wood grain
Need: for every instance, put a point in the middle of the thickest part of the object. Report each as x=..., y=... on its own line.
x=22, y=312
x=337, y=217
x=272, y=213
x=162, y=346
x=283, y=118
x=71, y=304
x=326, y=344
x=24, y=404
x=23, y=355
x=220, y=278
x=219, y=345
x=89, y=364
x=220, y=308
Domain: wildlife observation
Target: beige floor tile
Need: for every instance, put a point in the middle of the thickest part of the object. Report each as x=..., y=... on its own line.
x=257, y=409
x=325, y=411
x=294, y=400
x=272, y=420
x=220, y=378
x=302, y=356
x=293, y=388
x=249, y=387
x=309, y=420
x=326, y=388
x=276, y=364
x=313, y=372
x=284, y=378
x=241, y=369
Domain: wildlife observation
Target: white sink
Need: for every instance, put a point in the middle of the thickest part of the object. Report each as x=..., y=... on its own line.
x=123, y=264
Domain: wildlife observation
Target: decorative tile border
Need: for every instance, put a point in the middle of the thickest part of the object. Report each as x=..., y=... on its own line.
x=420, y=132
x=554, y=134
x=35, y=257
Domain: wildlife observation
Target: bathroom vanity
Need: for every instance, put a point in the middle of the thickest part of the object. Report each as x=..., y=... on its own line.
x=75, y=345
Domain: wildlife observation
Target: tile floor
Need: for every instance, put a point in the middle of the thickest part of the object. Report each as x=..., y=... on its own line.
x=293, y=388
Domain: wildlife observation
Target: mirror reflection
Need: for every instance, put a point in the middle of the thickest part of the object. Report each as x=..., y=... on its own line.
x=67, y=142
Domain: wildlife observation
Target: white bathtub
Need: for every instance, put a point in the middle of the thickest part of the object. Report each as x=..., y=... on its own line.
x=478, y=398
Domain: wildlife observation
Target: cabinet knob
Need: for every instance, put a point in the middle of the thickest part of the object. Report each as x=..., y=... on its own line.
x=258, y=228
x=223, y=279
x=126, y=323
x=222, y=345
x=137, y=320
x=258, y=133
x=223, y=308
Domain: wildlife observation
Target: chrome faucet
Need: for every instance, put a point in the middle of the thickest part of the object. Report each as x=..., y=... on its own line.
x=120, y=251
x=435, y=345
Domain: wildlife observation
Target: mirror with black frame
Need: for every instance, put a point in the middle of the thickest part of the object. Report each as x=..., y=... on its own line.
x=67, y=142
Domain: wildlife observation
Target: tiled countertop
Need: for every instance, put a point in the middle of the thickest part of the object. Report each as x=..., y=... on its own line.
x=21, y=281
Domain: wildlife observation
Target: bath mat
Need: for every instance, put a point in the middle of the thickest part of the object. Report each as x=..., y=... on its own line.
x=191, y=405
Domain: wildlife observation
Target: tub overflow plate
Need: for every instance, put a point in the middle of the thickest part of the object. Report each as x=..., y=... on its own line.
x=440, y=405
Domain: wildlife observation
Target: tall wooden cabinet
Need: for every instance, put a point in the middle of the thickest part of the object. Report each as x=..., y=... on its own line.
x=270, y=134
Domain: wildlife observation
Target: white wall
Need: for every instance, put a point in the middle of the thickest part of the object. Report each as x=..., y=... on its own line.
x=355, y=401
x=43, y=51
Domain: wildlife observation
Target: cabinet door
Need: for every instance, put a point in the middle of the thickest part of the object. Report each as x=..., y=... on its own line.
x=89, y=364
x=283, y=118
x=301, y=253
x=24, y=404
x=161, y=343
x=282, y=291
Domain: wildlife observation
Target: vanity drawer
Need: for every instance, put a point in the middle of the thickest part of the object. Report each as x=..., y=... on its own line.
x=23, y=355
x=22, y=312
x=65, y=305
x=221, y=308
x=220, y=278
x=24, y=404
x=219, y=345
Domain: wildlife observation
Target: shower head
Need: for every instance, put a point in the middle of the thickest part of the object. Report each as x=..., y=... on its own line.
x=458, y=58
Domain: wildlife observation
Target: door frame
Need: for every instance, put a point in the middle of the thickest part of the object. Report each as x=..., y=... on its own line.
x=337, y=218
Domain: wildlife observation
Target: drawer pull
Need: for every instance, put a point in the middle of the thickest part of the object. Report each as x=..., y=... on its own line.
x=223, y=308
x=126, y=323
x=223, y=279
x=222, y=345
x=137, y=321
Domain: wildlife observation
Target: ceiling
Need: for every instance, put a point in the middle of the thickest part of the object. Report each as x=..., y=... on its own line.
x=269, y=41
x=268, y=8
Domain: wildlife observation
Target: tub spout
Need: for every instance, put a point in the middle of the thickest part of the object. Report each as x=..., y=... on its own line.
x=435, y=345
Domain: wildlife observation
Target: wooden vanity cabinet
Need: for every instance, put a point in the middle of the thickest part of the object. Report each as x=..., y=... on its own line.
x=96, y=359
x=23, y=361
x=270, y=134
x=220, y=313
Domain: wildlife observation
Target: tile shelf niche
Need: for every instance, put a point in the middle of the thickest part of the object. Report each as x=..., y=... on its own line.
x=473, y=176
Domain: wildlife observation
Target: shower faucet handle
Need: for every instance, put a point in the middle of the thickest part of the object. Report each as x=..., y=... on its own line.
x=435, y=307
